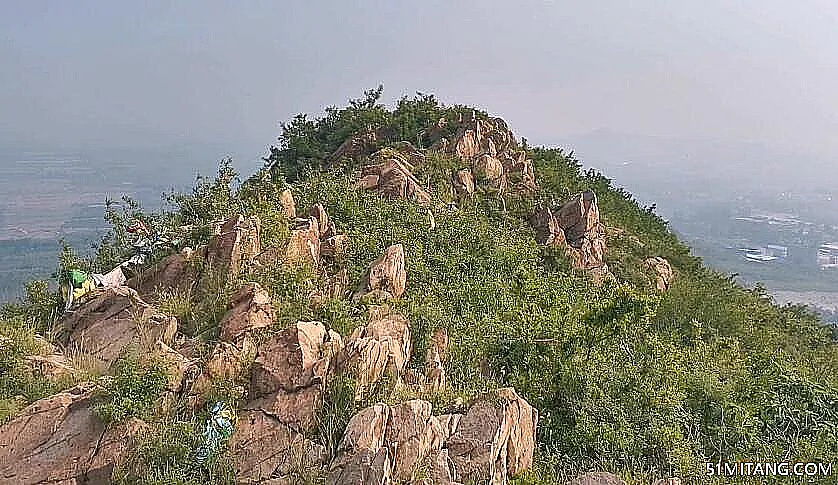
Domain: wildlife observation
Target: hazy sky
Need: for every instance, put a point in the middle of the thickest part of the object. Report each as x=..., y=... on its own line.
x=224, y=74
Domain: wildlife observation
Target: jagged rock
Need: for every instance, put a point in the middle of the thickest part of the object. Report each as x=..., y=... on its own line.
x=176, y=272
x=495, y=439
x=262, y=446
x=487, y=167
x=393, y=178
x=289, y=374
x=387, y=273
x=60, y=440
x=440, y=470
x=176, y=364
x=435, y=359
x=115, y=320
x=598, y=478
x=304, y=245
x=237, y=243
x=663, y=271
x=412, y=434
x=286, y=201
x=250, y=309
x=358, y=146
x=464, y=182
x=51, y=366
x=319, y=212
x=361, y=457
x=381, y=347
x=227, y=362
x=334, y=246
x=448, y=424
x=576, y=228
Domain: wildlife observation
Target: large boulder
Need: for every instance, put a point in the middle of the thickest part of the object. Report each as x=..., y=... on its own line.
x=435, y=360
x=177, y=272
x=464, y=182
x=250, y=309
x=358, y=145
x=664, y=275
x=393, y=178
x=286, y=202
x=495, y=439
x=386, y=274
x=114, y=321
x=575, y=227
x=362, y=457
x=261, y=447
x=60, y=440
x=236, y=244
x=289, y=374
x=304, y=244
x=412, y=435
x=382, y=347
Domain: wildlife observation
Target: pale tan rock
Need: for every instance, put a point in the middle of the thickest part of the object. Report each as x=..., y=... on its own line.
x=236, y=245
x=487, y=167
x=495, y=439
x=362, y=457
x=250, y=309
x=664, y=275
x=392, y=177
x=387, y=273
x=60, y=439
x=304, y=244
x=412, y=434
x=262, y=446
x=113, y=321
x=51, y=366
x=323, y=223
x=176, y=272
x=335, y=246
x=383, y=347
x=289, y=207
x=464, y=182
x=289, y=374
x=435, y=360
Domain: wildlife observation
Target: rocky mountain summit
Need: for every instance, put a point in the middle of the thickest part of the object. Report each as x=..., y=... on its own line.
x=407, y=296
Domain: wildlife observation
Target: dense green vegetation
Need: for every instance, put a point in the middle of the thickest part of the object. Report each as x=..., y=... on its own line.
x=626, y=379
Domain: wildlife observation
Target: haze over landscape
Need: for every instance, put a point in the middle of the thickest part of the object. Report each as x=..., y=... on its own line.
x=713, y=111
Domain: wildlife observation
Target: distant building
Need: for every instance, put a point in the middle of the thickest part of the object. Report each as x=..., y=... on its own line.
x=766, y=254
x=828, y=256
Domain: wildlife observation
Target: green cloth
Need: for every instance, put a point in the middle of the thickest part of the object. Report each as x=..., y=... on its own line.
x=77, y=278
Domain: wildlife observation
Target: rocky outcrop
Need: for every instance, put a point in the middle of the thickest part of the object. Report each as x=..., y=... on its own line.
x=575, y=227
x=250, y=309
x=177, y=272
x=412, y=435
x=286, y=202
x=263, y=447
x=289, y=374
x=489, y=149
x=464, y=182
x=495, y=439
x=598, y=478
x=358, y=145
x=492, y=442
x=391, y=175
x=115, y=320
x=664, y=275
x=236, y=244
x=315, y=238
x=52, y=366
x=60, y=440
x=435, y=360
x=361, y=457
x=382, y=347
x=387, y=274
x=304, y=244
